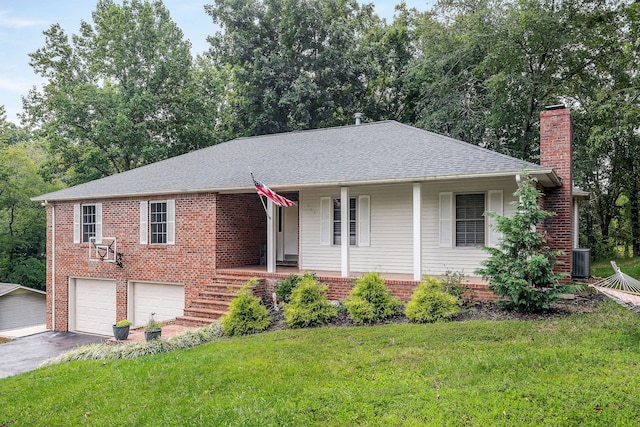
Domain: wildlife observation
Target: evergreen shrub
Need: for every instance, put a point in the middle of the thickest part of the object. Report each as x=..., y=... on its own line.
x=430, y=303
x=308, y=305
x=246, y=313
x=370, y=300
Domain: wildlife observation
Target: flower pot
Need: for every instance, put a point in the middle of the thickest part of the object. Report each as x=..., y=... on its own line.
x=120, y=333
x=152, y=335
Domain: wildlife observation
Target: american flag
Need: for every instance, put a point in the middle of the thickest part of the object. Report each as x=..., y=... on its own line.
x=265, y=191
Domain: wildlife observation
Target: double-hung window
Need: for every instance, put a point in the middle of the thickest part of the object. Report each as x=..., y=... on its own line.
x=470, y=220
x=87, y=222
x=337, y=221
x=157, y=222
x=359, y=217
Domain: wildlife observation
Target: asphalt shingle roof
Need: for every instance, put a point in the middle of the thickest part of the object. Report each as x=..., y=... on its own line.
x=385, y=151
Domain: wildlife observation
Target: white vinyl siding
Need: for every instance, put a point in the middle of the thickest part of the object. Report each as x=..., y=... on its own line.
x=389, y=247
x=437, y=259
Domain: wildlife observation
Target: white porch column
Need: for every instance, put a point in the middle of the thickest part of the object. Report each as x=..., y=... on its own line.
x=417, y=232
x=344, y=231
x=271, y=238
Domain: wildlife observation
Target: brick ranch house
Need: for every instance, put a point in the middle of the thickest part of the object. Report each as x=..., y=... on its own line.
x=192, y=227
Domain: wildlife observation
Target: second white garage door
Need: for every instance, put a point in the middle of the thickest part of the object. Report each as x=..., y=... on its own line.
x=165, y=300
x=95, y=306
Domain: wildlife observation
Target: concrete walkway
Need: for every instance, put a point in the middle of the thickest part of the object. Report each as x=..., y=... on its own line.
x=25, y=354
x=23, y=332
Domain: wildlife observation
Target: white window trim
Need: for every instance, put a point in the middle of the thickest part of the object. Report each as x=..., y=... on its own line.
x=145, y=232
x=77, y=222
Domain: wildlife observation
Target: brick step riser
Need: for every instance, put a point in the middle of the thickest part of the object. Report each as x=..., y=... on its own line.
x=216, y=296
x=209, y=305
x=205, y=313
x=234, y=282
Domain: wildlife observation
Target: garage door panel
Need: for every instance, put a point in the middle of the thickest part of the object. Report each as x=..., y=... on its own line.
x=165, y=300
x=95, y=306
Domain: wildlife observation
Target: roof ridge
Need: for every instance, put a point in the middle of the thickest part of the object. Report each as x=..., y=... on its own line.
x=302, y=131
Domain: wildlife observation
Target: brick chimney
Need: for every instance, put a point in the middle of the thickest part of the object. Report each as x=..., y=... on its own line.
x=555, y=153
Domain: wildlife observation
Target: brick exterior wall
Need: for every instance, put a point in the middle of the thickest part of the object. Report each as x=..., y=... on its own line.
x=241, y=233
x=190, y=261
x=555, y=153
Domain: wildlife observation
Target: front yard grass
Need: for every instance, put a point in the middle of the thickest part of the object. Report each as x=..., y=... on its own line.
x=574, y=371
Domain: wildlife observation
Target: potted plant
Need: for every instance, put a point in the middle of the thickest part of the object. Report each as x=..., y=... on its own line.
x=153, y=329
x=121, y=330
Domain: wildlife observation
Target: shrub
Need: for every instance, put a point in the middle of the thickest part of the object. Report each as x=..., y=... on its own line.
x=284, y=287
x=309, y=305
x=370, y=300
x=246, y=313
x=453, y=283
x=429, y=303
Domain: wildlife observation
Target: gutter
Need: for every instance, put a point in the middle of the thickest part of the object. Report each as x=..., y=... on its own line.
x=547, y=177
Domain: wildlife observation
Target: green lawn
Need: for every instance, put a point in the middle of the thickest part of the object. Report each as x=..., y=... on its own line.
x=630, y=266
x=579, y=371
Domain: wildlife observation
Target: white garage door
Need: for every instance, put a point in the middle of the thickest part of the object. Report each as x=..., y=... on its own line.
x=95, y=306
x=165, y=300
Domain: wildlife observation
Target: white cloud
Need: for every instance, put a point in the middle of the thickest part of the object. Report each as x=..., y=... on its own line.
x=8, y=21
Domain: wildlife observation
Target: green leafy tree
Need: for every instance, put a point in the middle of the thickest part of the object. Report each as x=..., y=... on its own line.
x=118, y=95
x=298, y=64
x=520, y=269
x=22, y=222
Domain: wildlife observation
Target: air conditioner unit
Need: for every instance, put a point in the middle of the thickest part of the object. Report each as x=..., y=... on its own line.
x=581, y=262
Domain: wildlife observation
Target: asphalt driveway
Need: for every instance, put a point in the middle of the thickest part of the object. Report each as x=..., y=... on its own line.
x=25, y=354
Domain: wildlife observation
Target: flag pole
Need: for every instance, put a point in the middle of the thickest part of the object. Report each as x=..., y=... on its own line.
x=260, y=197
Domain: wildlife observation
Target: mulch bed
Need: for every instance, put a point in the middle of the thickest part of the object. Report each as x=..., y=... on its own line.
x=585, y=302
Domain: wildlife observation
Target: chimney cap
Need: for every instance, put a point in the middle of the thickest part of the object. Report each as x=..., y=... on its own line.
x=555, y=107
x=358, y=117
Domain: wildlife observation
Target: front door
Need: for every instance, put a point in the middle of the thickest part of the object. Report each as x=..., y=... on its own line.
x=287, y=235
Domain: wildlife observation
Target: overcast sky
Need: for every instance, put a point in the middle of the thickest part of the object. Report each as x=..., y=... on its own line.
x=23, y=21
